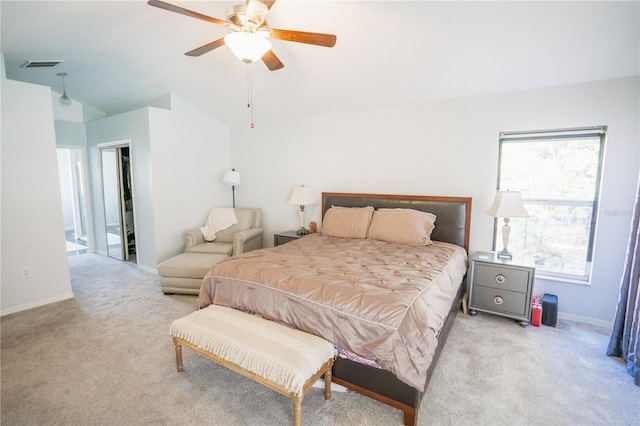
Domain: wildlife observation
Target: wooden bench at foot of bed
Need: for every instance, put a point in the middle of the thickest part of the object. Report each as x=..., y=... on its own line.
x=283, y=359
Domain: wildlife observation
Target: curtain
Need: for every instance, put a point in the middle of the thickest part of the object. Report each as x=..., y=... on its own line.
x=625, y=334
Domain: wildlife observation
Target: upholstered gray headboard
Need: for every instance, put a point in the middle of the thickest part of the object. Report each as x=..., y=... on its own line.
x=453, y=213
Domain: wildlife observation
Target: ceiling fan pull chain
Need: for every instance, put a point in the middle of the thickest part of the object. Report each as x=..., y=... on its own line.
x=250, y=92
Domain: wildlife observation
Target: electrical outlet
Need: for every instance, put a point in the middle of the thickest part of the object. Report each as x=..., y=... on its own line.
x=26, y=272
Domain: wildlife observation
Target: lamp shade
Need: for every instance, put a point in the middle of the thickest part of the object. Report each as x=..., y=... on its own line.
x=508, y=204
x=231, y=177
x=248, y=47
x=302, y=196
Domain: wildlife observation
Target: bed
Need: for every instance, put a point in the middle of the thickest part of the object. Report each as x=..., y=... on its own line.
x=385, y=294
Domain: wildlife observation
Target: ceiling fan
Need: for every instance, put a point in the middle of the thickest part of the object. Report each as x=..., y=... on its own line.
x=249, y=40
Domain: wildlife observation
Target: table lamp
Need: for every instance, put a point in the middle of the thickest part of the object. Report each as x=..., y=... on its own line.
x=507, y=204
x=302, y=195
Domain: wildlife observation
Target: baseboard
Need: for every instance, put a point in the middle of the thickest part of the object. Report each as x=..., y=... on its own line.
x=148, y=269
x=36, y=304
x=586, y=320
x=144, y=268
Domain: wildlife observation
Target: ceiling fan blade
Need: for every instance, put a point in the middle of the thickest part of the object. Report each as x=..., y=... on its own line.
x=326, y=40
x=206, y=48
x=183, y=11
x=271, y=61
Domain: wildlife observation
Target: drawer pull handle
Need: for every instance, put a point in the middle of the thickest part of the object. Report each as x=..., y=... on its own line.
x=498, y=300
x=500, y=279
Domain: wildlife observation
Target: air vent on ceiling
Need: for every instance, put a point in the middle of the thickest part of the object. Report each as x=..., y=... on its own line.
x=41, y=63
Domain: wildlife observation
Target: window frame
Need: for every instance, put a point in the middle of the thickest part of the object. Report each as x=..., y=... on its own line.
x=555, y=134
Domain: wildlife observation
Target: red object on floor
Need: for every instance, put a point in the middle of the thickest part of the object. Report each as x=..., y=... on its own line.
x=536, y=312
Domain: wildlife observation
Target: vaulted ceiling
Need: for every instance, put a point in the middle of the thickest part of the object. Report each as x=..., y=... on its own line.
x=121, y=53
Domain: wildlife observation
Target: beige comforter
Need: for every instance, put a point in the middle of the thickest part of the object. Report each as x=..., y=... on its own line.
x=382, y=301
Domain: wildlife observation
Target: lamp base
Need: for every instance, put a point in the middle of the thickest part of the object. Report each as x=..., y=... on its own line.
x=505, y=254
x=302, y=231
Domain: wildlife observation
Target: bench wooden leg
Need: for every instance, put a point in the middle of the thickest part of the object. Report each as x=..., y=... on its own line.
x=297, y=410
x=327, y=384
x=178, y=348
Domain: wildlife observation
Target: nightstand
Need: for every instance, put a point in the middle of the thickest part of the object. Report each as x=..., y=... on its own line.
x=501, y=286
x=285, y=237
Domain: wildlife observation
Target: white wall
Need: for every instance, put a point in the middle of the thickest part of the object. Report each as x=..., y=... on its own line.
x=178, y=157
x=74, y=113
x=133, y=126
x=190, y=152
x=70, y=113
x=442, y=148
x=32, y=224
x=449, y=147
x=72, y=136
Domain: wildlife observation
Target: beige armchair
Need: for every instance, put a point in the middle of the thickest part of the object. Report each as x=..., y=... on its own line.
x=246, y=235
x=184, y=273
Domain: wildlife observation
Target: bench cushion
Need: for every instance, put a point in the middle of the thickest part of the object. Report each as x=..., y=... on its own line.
x=189, y=265
x=270, y=350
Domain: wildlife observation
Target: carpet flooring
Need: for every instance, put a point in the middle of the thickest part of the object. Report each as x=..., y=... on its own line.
x=105, y=357
x=75, y=247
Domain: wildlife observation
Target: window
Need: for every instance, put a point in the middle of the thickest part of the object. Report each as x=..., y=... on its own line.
x=558, y=174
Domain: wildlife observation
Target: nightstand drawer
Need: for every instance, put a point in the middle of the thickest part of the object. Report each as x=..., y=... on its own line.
x=285, y=237
x=501, y=277
x=279, y=240
x=503, y=301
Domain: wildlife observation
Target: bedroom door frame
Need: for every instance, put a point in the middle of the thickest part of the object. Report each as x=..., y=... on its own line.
x=121, y=253
x=82, y=212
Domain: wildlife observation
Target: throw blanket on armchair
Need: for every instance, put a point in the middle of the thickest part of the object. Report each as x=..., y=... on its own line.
x=219, y=218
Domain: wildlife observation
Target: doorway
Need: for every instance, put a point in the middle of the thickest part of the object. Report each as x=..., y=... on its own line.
x=74, y=200
x=117, y=190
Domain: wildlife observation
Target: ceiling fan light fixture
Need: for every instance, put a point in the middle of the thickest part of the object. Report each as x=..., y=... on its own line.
x=263, y=32
x=250, y=16
x=248, y=47
x=256, y=13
